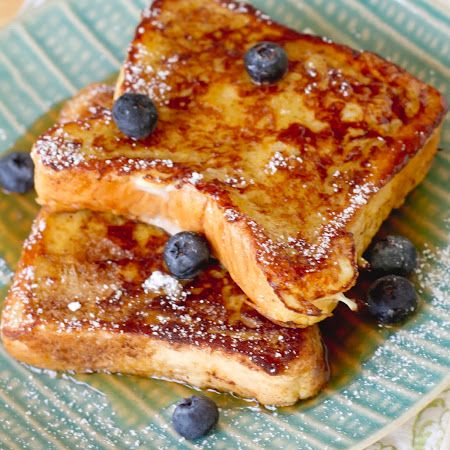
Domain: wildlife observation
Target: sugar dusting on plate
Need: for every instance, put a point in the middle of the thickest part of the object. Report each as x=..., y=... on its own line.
x=5, y=273
x=433, y=272
x=93, y=419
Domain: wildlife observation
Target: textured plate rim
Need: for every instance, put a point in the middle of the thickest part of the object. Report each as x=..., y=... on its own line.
x=411, y=412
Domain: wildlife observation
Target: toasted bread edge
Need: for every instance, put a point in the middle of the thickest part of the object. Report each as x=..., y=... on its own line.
x=43, y=345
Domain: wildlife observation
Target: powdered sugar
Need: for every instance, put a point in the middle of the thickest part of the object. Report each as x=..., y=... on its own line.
x=231, y=215
x=238, y=181
x=128, y=165
x=37, y=229
x=433, y=275
x=74, y=306
x=58, y=151
x=160, y=282
x=194, y=178
x=279, y=161
x=238, y=7
x=358, y=198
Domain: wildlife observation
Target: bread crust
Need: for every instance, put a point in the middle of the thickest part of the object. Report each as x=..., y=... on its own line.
x=85, y=352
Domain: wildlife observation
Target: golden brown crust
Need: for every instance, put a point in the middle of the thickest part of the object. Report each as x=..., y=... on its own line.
x=79, y=301
x=88, y=102
x=277, y=177
x=200, y=367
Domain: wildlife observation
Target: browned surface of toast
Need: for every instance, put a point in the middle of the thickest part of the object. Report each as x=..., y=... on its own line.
x=289, y=182
x=89, y=101
x=79, y=302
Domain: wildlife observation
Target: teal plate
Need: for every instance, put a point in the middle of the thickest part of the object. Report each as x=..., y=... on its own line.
x=380, y=376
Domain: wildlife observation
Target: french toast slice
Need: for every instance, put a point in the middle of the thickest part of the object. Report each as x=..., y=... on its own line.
x=88, y=102
x=91, y=294
x=289, y=182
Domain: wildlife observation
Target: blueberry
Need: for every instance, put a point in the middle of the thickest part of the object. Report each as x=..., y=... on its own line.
x=135, y=115
x=391, y=299
x=393, y=254
x=16, y=172
x=266, y=62
x=195, y=416
x=186, y=254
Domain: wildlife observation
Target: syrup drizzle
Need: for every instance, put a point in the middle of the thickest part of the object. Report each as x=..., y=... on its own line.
x=114, y=268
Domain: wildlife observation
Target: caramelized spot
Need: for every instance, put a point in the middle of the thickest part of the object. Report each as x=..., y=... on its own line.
x=122, y=235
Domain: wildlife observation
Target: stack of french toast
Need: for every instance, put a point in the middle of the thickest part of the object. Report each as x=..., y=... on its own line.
x=271, y=157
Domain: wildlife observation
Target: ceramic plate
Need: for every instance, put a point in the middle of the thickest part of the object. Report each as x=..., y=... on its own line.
x=380, y=376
